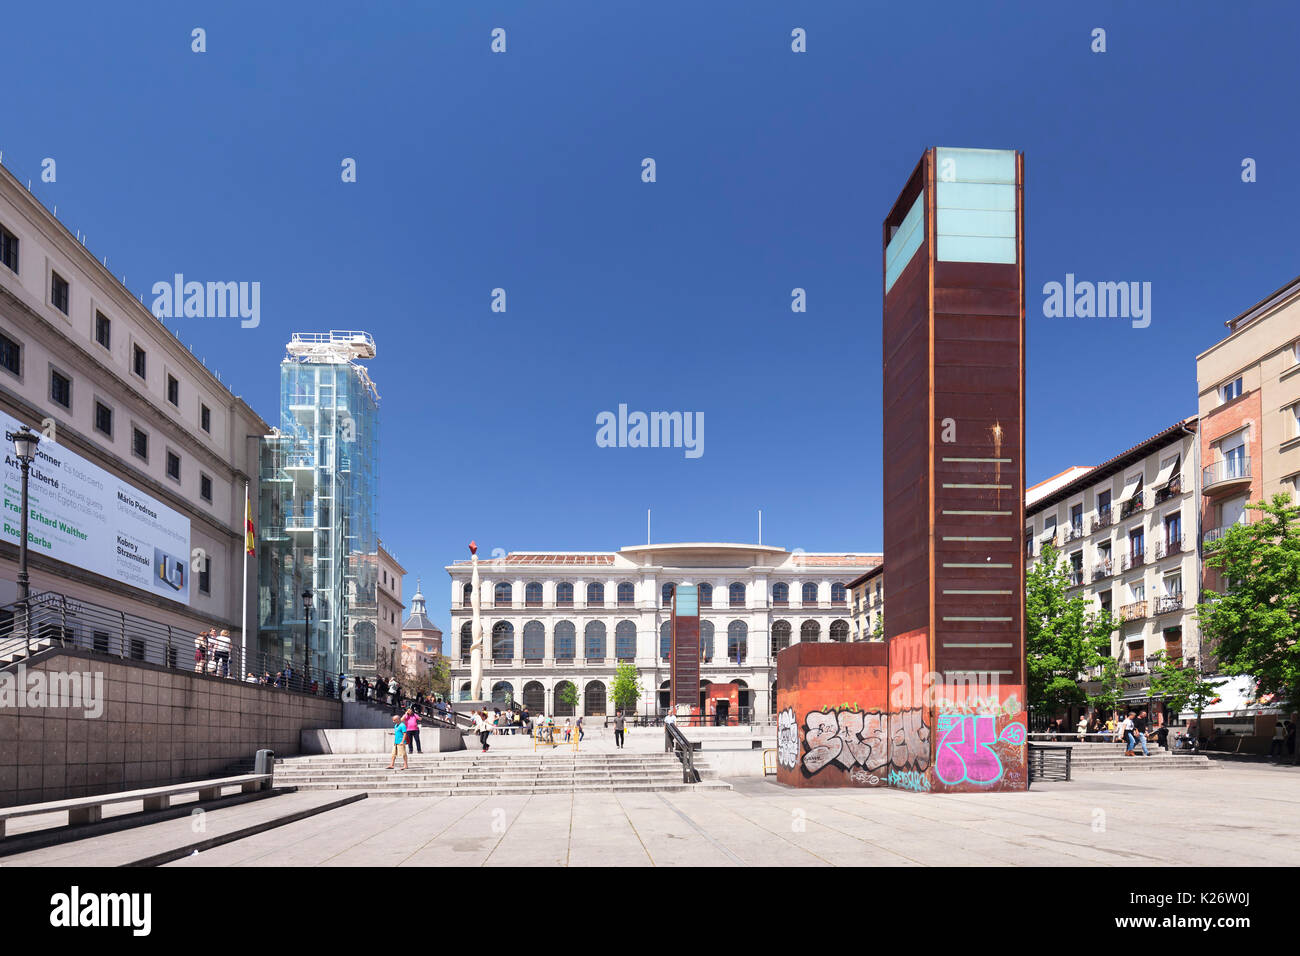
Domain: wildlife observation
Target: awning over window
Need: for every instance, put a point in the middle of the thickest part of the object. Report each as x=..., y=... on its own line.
x=1167, y=471
x=1048, y=532
x=1130, y=488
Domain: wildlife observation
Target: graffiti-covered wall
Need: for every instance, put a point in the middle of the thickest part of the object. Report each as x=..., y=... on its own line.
x=873, y=714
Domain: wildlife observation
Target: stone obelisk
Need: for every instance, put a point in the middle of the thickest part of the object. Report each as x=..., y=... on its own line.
x=476, y=633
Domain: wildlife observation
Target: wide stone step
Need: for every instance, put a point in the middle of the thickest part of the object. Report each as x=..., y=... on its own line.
x=396, y=790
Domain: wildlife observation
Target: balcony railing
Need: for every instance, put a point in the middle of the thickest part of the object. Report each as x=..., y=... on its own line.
x=1133, y=505
x=1169, y=546
x=1131, y=612
x=1076, y=577
x=1133, y=668
x=1074, y=532
x=1230, y=469
x=1102, y=569
x=1103, y=519
x=1170, y=602
x=1134, y=559
x=1171, y=490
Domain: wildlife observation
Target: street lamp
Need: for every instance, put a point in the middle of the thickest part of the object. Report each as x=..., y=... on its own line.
x=25, y=441
x=306, y=636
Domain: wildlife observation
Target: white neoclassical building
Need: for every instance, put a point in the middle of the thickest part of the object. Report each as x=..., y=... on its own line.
x=554, y=618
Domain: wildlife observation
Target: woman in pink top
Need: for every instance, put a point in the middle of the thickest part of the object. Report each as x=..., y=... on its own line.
x=412, y=732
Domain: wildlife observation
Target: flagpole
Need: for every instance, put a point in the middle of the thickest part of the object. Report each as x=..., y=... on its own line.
x=243, y=617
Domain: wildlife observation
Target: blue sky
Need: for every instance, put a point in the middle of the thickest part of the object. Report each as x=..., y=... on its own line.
x=522, y=171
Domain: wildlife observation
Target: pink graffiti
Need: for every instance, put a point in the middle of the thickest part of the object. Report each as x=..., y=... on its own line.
x=1014, y=734
x=965, y=752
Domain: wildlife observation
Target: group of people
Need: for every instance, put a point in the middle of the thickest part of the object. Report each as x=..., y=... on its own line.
x=1135, y=729
x=212, y=653
x=406, y=738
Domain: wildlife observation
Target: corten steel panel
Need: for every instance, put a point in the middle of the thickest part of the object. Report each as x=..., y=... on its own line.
x=684, y=651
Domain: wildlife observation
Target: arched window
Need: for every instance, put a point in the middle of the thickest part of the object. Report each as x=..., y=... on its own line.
x=666, y=640
x=595, y=594
x=464, y=691
x=626, y=593
x=503, y=641
x=501, y=594
x=534, y=697
x=467, y=596
x=593, y=641
x=665, y=695
x=780, y=636
x=566, y=641
x=706, y=641
x=534, y=641
x=562, y=707
x=736, y=595
x=781, y=594
x=737, y=641
x=706, y=595
x=533, y=594
x=810, y=631
x=502, y=694
x=838, y=594
x=667, y=592
x=744, y=698
x=625, y=641
x=839, y=630
x=771, y=701
x=593, y=700
x=466, y=641
x=564, y=594
x=809, y=593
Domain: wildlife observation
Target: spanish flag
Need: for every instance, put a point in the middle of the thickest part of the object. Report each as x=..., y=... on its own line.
x=249, y=546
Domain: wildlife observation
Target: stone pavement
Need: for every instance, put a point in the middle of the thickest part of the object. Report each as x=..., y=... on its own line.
x=1237, y=816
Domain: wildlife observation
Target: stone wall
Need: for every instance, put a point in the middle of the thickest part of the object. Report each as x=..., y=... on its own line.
x=156, y=726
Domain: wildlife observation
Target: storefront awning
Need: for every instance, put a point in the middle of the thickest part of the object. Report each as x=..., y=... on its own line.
x=1235, y=699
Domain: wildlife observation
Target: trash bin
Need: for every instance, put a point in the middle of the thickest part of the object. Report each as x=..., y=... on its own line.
x=264, y=762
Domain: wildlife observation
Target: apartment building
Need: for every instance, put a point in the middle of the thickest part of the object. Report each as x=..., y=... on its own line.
x=1127, y=532
x=390, y=608
x=867, y=601
x=1249, y=407
x=137, y=496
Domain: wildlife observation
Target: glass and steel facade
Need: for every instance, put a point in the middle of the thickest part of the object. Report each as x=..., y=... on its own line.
x=316, y=523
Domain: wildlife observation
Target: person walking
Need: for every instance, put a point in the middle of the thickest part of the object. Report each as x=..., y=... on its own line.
x=413, y=731
x=1140, y=726
x=1127, y=727
x=579, y=731
x=482, y=728
x=392, y=690
x=399, y=745
x=1278, y=745
x=619, y=724
x=1082, y=729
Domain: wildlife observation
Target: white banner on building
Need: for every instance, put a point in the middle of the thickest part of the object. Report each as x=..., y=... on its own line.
x=83, y=515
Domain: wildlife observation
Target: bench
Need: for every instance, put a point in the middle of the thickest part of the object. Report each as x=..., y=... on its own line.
x=1049, y=761
x=91, y=809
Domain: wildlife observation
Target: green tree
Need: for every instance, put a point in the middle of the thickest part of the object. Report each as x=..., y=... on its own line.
x=1107, y=698
x=1183, y=686
x=568, y=694
x=440, y=676
x=1063, y=638
x=1254, y=626
x=626, y=689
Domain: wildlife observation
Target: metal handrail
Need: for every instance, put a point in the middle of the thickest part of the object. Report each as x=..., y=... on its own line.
x=675, y=742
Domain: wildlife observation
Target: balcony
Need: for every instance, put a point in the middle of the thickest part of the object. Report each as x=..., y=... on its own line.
x=1076, y=577
x=1134, y=611
x=1074, y=532
x=1103, y=519
x=1133, y=668
x=1102, y=569
x=1171, y=490
x=1134, y=559
x=1170, y=546
x=1224, y=477
x=1169, y=603
x=1133, y=505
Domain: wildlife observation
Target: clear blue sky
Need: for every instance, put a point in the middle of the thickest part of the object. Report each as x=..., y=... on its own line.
x=522, y=170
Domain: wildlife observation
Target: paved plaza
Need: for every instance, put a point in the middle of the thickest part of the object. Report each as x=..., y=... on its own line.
x=1233, y=815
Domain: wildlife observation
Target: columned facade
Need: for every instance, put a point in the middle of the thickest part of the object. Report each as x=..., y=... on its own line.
x=558, y=619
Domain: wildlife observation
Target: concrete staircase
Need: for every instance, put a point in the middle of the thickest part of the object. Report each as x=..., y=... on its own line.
x=479, y=774
x=1101, y=757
